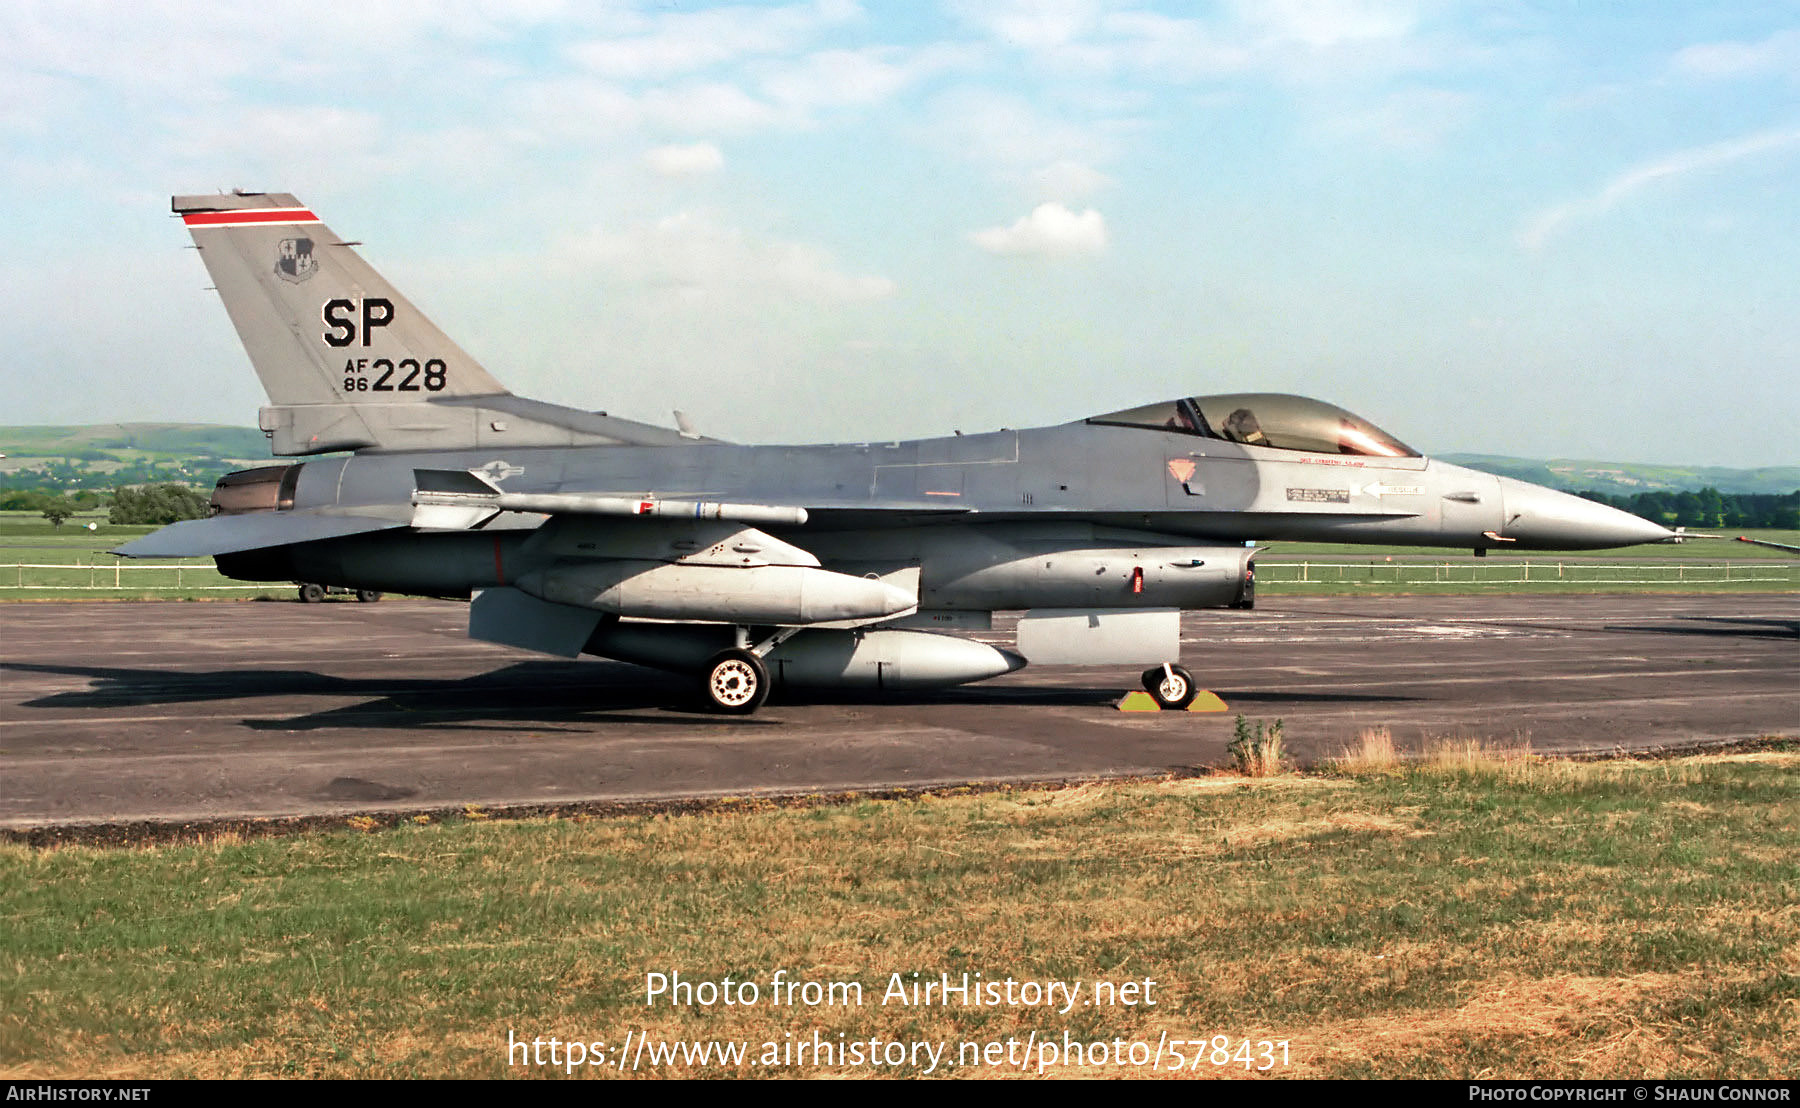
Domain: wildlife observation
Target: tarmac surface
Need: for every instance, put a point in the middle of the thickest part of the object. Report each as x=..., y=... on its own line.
x=117, y=712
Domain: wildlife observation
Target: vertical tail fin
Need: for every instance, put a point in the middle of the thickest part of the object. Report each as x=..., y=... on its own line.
x=341, y=354
x=348, y=362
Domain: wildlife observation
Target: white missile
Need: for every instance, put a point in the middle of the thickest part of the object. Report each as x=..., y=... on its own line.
x=457, y=500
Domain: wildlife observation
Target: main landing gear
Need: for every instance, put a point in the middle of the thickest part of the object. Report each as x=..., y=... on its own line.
x=1171, y=686
x=736, y=681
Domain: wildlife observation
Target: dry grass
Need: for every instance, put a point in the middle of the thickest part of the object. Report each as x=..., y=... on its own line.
x=1257, y=749
x=1373, y=752
x=1476, y=755
x=1539, y=920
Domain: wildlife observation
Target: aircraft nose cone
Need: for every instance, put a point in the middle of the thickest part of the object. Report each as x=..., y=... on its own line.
x=1538, y=518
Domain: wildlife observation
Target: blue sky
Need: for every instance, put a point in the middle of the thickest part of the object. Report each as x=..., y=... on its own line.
x=1544, y=229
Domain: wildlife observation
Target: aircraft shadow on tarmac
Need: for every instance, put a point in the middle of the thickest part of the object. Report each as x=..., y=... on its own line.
x=1287, y=696
x=535, y=694
x=1733, y=627
x=545, y=695
x=529, y=694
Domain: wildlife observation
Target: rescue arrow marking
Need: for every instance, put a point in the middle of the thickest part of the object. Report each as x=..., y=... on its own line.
x=1379, y=490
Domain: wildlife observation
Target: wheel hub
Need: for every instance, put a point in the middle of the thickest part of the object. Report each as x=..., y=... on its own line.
x=733, y=683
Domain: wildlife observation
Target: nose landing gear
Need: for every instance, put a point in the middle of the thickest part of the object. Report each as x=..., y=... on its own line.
x=1171, y=686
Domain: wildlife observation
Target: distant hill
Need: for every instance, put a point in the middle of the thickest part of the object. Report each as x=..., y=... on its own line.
x=103, y=455
x=1625, y=478
x=185, y=439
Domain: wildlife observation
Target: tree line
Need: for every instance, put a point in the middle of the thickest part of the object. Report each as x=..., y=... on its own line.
x=144, y=505
x=1708, y=507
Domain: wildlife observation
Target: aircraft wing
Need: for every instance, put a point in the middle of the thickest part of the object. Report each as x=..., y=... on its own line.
x=251, y=531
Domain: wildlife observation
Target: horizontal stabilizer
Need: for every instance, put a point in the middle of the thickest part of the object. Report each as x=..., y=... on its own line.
x=511, y=618
x=197, y=538
x=458, y=499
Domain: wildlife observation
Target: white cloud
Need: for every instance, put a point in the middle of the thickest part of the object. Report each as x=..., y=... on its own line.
x=283, y=45
x=290, y=148
x=679, y=43
x=692, y=254
x=1014, y=137
x=1084, y=36
x=1777, y=54
x=563, y=110
x=1178, y=49
x=1304, y=40
x=1035, y=25
x=1325, y=24
x=1548, y=222
x=685, y=161
x=830, y=78
x=764, y=93
x=1066, y=180
x=710, y=106
x=1051, y=230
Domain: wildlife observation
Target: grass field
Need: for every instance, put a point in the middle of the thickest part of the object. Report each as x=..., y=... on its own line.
x=86, y=570
x=1477, y=914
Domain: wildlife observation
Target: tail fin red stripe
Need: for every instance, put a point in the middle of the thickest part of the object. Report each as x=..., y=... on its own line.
x=253, y=215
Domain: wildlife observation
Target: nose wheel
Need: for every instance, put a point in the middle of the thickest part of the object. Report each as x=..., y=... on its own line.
x=1171, y=686
x=735, y=682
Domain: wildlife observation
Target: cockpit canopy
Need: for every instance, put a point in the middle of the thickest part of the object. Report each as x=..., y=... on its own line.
x=1266, y=419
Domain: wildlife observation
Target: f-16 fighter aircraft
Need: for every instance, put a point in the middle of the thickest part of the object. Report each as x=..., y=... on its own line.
x=755, y=567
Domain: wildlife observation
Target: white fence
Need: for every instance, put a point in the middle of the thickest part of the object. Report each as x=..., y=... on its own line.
x=1509, y=572
x=123, y=577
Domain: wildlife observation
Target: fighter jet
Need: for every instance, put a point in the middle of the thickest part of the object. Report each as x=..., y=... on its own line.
x=757, y=567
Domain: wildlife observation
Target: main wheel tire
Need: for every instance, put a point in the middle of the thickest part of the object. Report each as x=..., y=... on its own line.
x=311, y=594
x=367, y=596
x=736, y=681
x=1173, y=690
